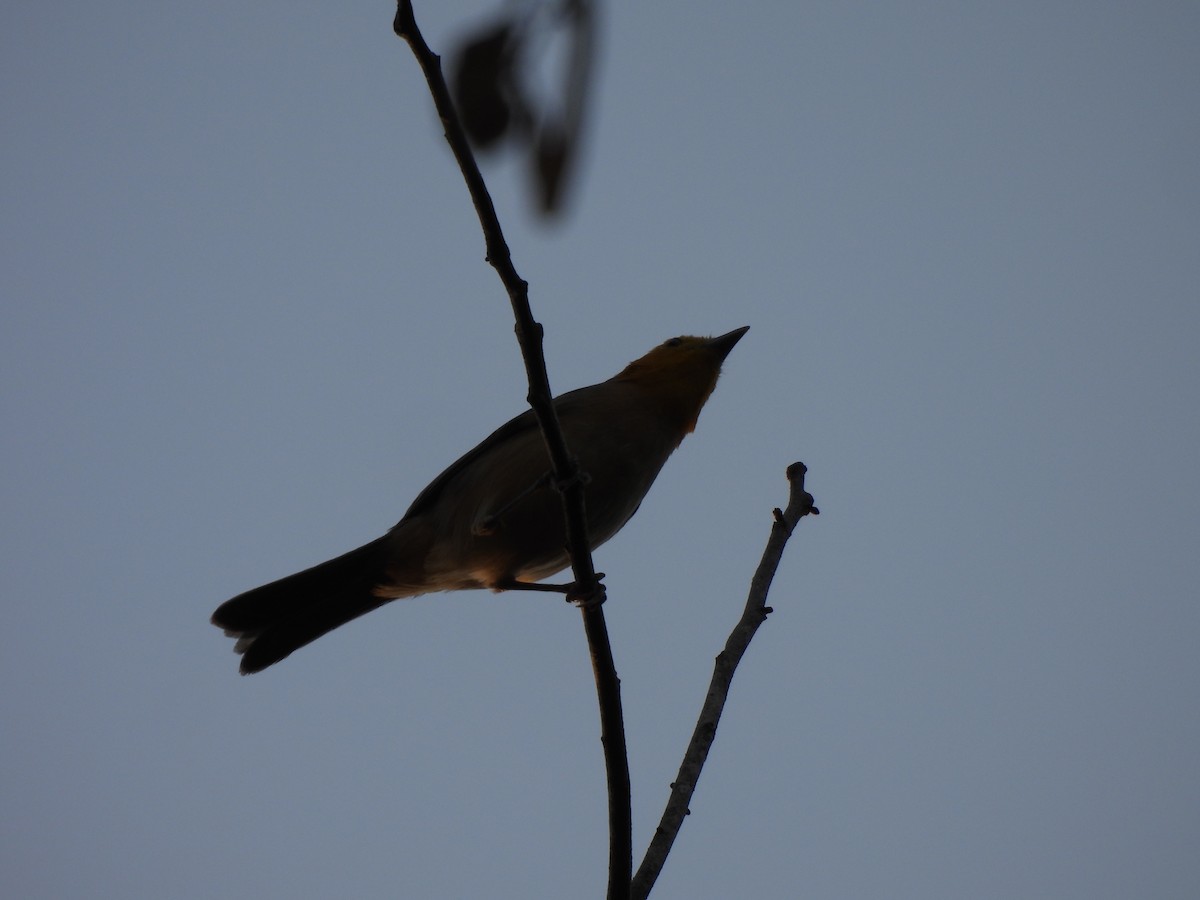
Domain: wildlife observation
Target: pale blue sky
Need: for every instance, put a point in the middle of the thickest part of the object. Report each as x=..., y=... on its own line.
x=246, y=318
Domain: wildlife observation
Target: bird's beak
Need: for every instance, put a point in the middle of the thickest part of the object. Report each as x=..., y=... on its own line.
x=725, y=342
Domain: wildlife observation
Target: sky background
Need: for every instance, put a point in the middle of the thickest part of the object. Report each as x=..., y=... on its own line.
x=246, y=318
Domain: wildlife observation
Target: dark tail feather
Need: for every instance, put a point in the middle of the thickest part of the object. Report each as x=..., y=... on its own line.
x=271, y=621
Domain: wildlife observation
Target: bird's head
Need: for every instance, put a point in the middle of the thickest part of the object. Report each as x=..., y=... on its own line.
x=682, y=372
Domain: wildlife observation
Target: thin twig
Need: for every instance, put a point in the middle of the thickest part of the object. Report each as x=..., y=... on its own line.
x=566, y=470
x=800, y=504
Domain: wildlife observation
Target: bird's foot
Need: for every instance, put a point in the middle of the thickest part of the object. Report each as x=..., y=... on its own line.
x=585, y=597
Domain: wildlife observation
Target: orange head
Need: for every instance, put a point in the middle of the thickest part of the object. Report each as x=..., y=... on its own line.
x=681, y=373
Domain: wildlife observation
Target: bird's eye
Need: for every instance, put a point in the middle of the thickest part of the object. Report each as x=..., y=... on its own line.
x=673, y=342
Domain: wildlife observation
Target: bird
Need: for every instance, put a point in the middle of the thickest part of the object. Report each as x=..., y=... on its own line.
x=494, y=519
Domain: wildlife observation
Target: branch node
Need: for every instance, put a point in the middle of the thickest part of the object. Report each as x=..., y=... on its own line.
x=576, y=477
x=797, y=471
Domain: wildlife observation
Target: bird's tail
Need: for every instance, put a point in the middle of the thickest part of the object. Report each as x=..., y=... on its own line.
x=271, y=621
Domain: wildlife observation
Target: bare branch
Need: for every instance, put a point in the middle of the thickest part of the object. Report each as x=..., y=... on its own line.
x=800, y=504
x=566, y=470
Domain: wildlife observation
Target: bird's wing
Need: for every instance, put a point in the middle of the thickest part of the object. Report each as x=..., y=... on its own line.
x=511, y=429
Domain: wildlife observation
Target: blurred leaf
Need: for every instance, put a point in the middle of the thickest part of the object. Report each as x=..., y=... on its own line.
x=551, y=157
x=483, y=84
